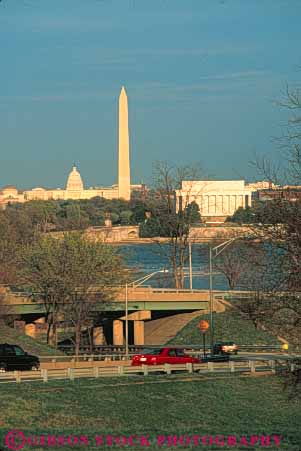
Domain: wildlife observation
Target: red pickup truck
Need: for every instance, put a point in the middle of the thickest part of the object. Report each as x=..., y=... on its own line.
x=159, y=356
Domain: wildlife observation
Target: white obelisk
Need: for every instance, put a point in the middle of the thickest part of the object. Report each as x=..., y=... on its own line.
x=124, y=182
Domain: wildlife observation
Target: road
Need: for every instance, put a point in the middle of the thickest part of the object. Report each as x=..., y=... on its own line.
x=67, y=362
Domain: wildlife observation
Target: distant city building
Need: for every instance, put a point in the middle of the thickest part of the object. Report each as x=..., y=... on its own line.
x=217, y=199
x=255, y=186
x=290, y=193
x=75, y=187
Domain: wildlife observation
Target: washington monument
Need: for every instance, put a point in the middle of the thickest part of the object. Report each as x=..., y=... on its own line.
x=124, y=179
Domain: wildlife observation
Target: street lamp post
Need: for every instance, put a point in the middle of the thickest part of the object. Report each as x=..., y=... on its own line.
x=190, y=265
x=217, y=250
x=139, y=281
x=143, y=279
x=211, y=300
x=126, y=321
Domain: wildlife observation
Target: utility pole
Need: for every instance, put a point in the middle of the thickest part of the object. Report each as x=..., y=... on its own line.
x=217, y=250
x=190, y=265
x=211, y=301
x=126, y=322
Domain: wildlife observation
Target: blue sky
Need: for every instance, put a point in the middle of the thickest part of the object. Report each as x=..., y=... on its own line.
x=203, y=78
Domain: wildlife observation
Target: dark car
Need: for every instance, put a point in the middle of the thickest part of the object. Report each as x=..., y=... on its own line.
x=12, y=357
x=216, y=358
x=225, y=347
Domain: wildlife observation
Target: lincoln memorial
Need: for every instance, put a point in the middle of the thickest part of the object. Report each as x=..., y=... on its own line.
x=216, y=199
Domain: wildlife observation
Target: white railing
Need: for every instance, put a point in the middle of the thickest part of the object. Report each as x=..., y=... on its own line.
x=232, y=366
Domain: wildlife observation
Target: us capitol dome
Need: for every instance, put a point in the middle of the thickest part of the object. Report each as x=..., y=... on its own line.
x=75, y=184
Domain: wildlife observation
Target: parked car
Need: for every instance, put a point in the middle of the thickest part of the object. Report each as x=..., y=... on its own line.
x=225, y=347
x=159, y=356
x=13, y=357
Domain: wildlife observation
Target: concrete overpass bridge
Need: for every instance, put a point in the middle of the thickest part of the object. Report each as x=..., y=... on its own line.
x=139, y=299
x=144, y=304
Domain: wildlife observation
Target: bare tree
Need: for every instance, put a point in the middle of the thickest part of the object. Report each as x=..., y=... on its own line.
x=173, y=213
x=291, y=140
x=239, y=260
x=279, y=227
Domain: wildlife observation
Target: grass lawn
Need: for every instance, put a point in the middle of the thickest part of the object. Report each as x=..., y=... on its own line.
x=152, y=406
x=228, y=325
x=12, y=336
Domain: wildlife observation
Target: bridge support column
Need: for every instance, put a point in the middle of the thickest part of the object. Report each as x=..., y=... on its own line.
x=139, y=332
x=30, y=330
x=98, y=336
x=117, y=332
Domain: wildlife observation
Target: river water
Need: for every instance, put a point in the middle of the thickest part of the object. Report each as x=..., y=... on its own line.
x=149, y=258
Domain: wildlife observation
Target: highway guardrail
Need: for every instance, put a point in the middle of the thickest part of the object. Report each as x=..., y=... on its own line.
x=113, y=349
x=232, y=366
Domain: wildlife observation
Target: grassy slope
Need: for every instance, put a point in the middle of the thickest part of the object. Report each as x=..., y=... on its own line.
x=227, y=326
x=228, y=405
x=11, y=336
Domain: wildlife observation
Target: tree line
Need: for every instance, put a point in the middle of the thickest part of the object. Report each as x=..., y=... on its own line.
x=73, y=214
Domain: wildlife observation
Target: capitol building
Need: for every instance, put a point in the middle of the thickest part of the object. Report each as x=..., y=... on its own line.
x=74, y=187
x=74, y=190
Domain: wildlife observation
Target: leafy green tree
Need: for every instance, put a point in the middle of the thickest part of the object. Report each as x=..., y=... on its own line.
x=76, y=218
x=5, y=309
x=192, y=213
x=71, y=275
x=94, y=272
x=41, y=272
x=125, y=217
x=244, y=216
x=42, y=214
x=150, y=228
x=16, y=229
x=63, y=215
x=7, y=251
x=115, y=217
x=21, y=224
x=138, y=210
